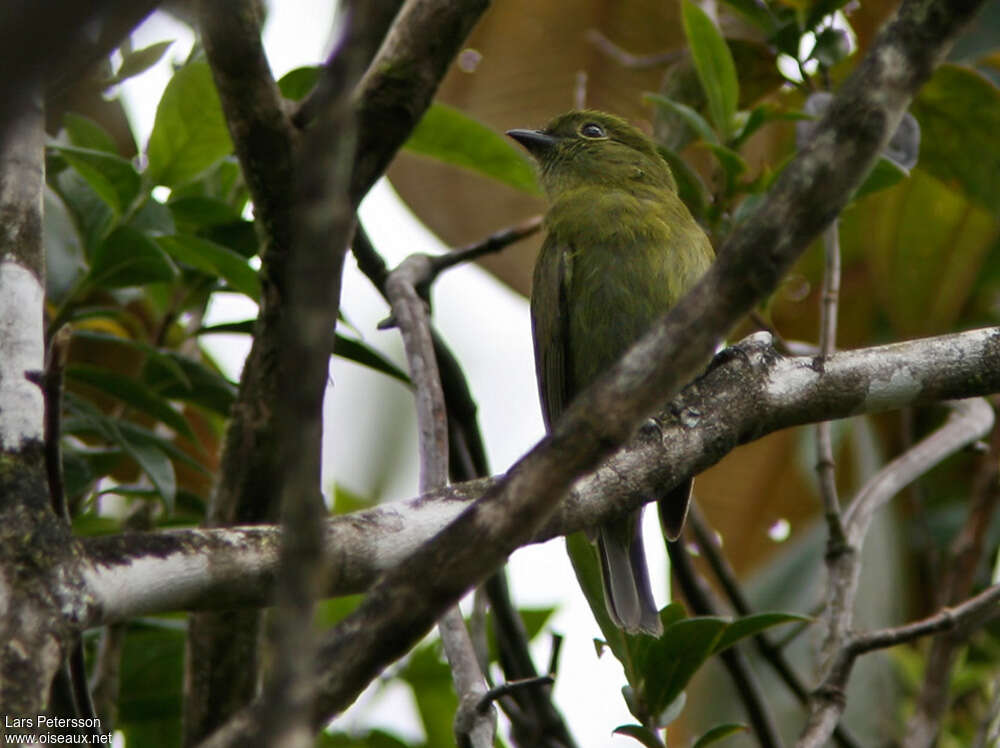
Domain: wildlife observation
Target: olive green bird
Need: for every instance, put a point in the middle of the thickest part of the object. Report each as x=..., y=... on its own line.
x=620, y=250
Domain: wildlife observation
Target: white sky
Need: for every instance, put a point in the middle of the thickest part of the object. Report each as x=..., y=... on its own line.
x=488, y=328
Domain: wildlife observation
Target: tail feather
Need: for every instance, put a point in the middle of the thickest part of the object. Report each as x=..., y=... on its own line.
x=627, y=591
x=673, y=509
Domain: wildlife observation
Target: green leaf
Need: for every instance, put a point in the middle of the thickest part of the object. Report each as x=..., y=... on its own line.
x=199, y=211
x=533, y=620
x=158, y=467
x=760, y=116
x=178, y=377
x=690, y=188
x=732, y=163
x=213, y=259
x=450, y=136
x=753, y=625
x=714, y=65
x=719, y=732
x=295, y=84
x=136, y=434
x=128, y=257
x=112, y=177
x=430, y=680
x=694, y=120
x=135, y=441
x=131, y=392
x=90, y=524
x=139, y=61
x=362, y=353
x=83, y=466
x=668, y=663
x=588, y=573
x=136, y=345
x=151, y=687
x=959, y=115
x=93, y=216
x=64, y=261
x=757, y=13
x=239, y=236
x=643, y=734
x=672, y=711
x=84, y=132
x=189, y=132
x=883, y=175
x=243, y=327
x=84, y=418
x=153, y=218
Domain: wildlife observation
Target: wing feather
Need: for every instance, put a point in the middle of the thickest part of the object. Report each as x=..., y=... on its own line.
x=550, y=326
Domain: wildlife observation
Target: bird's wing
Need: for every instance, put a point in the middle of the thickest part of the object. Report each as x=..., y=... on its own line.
x=550, y=324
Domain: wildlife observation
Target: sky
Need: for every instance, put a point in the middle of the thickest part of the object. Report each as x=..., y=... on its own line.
x=487, y=326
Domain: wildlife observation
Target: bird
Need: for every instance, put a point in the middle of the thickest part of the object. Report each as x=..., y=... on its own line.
x=620, y=249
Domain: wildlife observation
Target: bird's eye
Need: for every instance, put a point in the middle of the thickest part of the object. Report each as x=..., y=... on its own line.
x=592, y=130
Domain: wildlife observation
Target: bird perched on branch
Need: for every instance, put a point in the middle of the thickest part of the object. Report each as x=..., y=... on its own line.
x=620, y=250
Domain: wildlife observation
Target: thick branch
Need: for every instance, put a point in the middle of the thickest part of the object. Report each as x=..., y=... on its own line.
x=402, y=80
x=222, y=661
x=40, y=586
x=750, y=392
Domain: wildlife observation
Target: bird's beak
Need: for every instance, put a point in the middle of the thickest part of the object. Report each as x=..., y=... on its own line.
x=536, y=142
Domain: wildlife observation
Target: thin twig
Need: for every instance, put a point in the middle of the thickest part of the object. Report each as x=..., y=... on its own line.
x=410, y=312
x=973, y=613
x=628, y=60
x=52, y=389
x=493, y=243
x=580, y=90
x=988, y=733
x=825, y=465
x=966, y=553
x=511, y=686
x=474, y=727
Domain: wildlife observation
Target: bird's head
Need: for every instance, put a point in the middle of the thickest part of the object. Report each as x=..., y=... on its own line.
x=583, y=148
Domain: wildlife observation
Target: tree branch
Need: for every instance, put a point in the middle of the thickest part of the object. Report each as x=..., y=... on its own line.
x=222, y=660
x=40, y=585
x=973, y=613
x=350, y=143
x=966, y=555
x=475, y=726
x=969, y=420
x=402, y=80
x=750, y=392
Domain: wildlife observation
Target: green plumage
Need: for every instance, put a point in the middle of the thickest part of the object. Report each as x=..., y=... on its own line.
x=620, y=249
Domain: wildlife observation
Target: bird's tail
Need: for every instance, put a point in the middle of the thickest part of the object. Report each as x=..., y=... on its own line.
x=627, y=591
